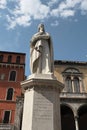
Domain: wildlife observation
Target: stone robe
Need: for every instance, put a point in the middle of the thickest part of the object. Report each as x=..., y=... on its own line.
x=41, y=54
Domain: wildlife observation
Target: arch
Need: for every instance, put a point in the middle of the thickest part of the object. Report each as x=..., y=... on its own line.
x=67, y=105
x=9, y=94
x=82, y=117
x=12, y=76
x=67, y=118
x=71, y=70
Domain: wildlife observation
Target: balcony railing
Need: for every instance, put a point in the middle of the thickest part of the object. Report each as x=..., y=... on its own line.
x=73, y=95
x=6, y=127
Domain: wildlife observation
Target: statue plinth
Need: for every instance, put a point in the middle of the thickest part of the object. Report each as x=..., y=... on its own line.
x=41, y=102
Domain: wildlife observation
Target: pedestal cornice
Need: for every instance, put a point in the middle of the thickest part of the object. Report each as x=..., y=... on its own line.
x=42, y=80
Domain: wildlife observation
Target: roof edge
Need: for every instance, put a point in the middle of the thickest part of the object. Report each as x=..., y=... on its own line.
x=61, y=62
x=9, y=52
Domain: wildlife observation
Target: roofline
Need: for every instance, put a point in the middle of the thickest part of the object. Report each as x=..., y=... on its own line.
x=13, y=52
x=66, y=62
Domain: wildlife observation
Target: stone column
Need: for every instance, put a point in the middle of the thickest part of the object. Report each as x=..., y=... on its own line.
x=76, y=123
x=41, y=103
x=72, y=84
x=18, y=113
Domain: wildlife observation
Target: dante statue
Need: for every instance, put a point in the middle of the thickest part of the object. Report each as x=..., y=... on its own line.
x=41, y=52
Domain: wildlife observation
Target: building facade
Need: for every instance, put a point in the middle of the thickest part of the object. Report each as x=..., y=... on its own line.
x=12, y=72
x=74, y=96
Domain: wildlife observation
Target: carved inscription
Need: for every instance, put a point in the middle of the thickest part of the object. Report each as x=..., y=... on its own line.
x=43, y=106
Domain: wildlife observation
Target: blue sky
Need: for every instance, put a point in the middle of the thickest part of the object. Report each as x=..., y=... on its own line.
x=65, y=20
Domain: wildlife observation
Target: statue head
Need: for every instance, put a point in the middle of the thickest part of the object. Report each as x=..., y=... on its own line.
x=41, y=27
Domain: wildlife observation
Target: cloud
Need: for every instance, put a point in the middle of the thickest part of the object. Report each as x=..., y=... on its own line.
x=67, y=13
x=25, y=11
x=56, y=23
x=23, y=20
x=52, y=2
x=34, y=8
x=84, y=7
x=3, y=4
x=68, y=8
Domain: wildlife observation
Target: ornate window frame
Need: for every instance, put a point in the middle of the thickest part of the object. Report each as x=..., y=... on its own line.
x=73, y=74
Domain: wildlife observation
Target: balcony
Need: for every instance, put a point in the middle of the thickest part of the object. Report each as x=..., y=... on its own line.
x=6, y=127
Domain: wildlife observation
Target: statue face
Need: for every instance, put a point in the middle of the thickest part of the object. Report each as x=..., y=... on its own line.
x=41, y=27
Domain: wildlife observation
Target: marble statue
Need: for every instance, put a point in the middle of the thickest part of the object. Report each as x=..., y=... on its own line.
x=41, y=52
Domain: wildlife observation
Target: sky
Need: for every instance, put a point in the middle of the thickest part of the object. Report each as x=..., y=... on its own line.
x=65, y=20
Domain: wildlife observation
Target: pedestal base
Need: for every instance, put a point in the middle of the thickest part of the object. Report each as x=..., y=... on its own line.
x=41, y=104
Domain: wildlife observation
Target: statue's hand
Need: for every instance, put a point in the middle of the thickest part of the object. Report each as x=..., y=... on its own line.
x=39, y=49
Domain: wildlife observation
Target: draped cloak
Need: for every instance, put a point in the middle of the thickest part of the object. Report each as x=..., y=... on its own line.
x=40, y=45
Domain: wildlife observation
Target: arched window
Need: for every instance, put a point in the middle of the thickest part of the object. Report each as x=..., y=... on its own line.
x=71, y=77
x=68, y=84
x=9, y=58
x=76, y=85
x=1, y=58
x=6, y=118
x=12, y=76
x=18, y=59
x=9, y=94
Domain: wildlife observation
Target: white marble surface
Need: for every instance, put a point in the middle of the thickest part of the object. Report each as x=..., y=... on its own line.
x=41, y=104
x=41, y=52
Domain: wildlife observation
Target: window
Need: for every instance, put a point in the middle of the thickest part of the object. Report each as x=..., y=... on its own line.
x=6, y=117
x=76, y=84
x=9, y=58
x=1, y=58
x=9, y=94
x=68, y=83
x=2, y=76
x=72, y=82
x=12, y=76
x=18, y=59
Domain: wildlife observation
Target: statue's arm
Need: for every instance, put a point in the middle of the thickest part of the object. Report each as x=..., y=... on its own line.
x=34, y=39
x=37, y=37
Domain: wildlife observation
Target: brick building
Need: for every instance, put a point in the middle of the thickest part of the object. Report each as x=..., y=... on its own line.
x=12, y=71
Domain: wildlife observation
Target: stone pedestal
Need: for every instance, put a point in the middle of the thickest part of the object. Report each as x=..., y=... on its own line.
x=41, y=103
